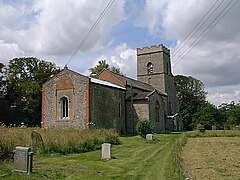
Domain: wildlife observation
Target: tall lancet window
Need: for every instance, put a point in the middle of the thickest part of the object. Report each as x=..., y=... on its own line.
x=149, y=68
x=64, y=107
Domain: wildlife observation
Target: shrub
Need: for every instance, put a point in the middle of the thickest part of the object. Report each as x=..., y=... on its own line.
x=144, y=127
x=201, y=128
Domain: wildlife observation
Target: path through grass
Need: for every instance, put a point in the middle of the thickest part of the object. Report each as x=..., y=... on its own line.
x=134, y=159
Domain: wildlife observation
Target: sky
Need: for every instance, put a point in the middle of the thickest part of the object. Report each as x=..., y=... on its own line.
x=203, y=36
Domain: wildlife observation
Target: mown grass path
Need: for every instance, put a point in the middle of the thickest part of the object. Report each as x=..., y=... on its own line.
x=135, y=158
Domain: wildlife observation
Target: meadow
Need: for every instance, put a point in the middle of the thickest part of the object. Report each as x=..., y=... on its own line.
x=53, y=140
x=76, y=154
x=211, y=155
x=134, y=158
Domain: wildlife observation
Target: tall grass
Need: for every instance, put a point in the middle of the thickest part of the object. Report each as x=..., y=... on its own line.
x=63, y=141
x=181, y=168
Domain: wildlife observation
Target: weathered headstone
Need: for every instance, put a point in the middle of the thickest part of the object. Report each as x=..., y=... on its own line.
x=37, y=141
x=23, y=158
x=106, y=151
x=149, y=137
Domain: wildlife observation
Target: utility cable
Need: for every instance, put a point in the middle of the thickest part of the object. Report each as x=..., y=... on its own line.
x=89, y=33
x=183, y=55
x=189, y=36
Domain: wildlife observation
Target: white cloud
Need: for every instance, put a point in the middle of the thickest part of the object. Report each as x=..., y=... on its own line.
x=123, y=57
x=9, y=50
x=215, y=60
x=224, y=94
x=56, y=27
x=52, y=30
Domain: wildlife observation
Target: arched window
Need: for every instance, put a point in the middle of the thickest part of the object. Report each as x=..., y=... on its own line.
x=149, y=68
x=64, y=107
x=157, y=108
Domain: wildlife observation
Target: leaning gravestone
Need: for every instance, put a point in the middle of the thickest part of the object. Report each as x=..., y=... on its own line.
x=149, y=137
x=106, y=151
x=23, y=158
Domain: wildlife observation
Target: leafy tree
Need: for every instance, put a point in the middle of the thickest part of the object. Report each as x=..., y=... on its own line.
x=231, y=113
x=24, y=82
x=5, y=114
x=94, y=72
x=208, y=116
x=2, y=80
x=191, y=95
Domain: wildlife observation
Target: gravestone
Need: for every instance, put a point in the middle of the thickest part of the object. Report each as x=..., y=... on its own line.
x=149, y=137
x=106, y=151
x=37, y=141
x=23, y=158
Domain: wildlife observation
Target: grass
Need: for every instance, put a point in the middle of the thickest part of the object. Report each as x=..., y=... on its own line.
x=214, y=133
x=47, y=141
x=135, y=158
x=211, y=155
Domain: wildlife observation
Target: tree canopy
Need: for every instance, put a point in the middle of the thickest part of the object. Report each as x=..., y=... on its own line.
x=208, y=115
x=231, y=114
x=191, y=95
x=25, y=78
x=94, y=72
x=3, y=75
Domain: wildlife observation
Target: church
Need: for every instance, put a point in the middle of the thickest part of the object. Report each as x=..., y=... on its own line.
x=113, y=101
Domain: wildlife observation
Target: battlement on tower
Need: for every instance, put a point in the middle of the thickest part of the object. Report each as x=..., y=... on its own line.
x=153, y=49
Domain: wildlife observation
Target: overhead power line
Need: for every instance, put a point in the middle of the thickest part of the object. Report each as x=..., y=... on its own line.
x=89, y=33
x=207, y=30
x=199, y=25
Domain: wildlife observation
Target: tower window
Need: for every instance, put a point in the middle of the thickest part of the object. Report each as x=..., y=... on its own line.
x=149, y=68
x=64, y=107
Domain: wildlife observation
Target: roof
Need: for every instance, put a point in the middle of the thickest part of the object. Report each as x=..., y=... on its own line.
x=135, y=83
x=106, y=83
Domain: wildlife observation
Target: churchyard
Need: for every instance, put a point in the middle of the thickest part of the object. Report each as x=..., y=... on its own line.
x=132, y=157
x=76, y=154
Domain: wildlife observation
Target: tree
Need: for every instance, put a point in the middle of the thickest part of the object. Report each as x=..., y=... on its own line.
x=24, y=82
x=2, y=80
x=191, y=95
x=5, y=114
x=208, y=115
x=231, y=113
x=94, y=72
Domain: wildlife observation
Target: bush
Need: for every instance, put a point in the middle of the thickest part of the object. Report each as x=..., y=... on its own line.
x=201, y=128
x=144, y=127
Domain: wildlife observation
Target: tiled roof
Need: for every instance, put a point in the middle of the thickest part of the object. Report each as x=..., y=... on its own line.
x=135, y=83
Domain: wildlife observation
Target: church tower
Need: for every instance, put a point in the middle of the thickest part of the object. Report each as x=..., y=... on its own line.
x=154, y=68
